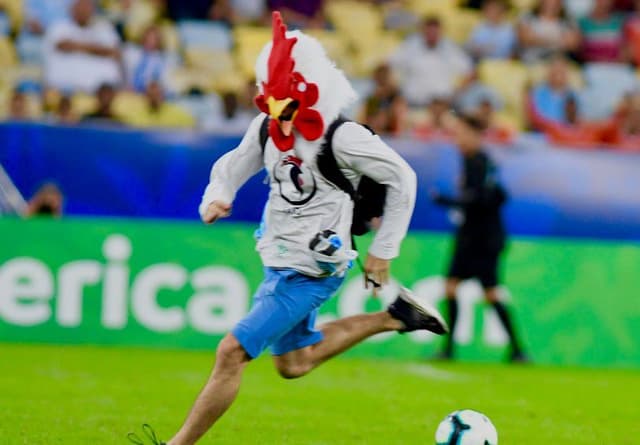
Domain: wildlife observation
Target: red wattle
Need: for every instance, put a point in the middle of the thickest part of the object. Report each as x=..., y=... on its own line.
x=309, y=124
x=282, y=142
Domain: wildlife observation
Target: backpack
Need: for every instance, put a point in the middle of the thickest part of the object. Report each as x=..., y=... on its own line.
x=368, y=197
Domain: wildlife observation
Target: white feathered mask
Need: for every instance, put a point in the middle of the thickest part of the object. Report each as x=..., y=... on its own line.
x=300, y=87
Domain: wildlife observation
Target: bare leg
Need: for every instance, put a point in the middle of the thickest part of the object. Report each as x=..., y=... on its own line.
x=217, y=395
x=339, y=336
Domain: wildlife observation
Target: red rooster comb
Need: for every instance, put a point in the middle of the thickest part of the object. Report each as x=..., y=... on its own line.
x=285, y=83
x=281, y=64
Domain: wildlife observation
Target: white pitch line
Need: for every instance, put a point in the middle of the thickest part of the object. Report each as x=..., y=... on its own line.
x=431, y=372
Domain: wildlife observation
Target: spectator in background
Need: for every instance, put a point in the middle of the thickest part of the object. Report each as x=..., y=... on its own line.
x=147, y=62
x=494, y=37
x=548, y=100
x=105, y=95
x=159, y=113
x=546, y=31
x=47, y=201
x=234, y=120
x=429, y=65
x=631, y=34
x=569, y=129
x=385, y=109
x=222, y=11
x=64, y=111
x=40, y=14
x=18, y=107
x=437, y=124
x=472, y=91
x=494, y=131
x=625, y=126
x=300, y=14
x=82, y=53
x=602, y=34
x=476, y=99
x=248, y=11
x=247, y=96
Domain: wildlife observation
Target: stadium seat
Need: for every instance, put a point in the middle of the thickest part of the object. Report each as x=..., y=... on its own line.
x=538, y=73
x=522, y=6
x=458, y=24
x=5, y=93
x=182, y=79
x=355, y=21
x=7, y=53
x=213, y=61
x=82, y=103
x=170, y=36
x=611, y=74
x=249, y=41
x=202, y=34
x=128, y=103
x=14, y=11
x=218, y=66
x=31, y=74
x=140, y=15
x=510, y=79
x=432, y=7
x=371, y=53
x=34, y=105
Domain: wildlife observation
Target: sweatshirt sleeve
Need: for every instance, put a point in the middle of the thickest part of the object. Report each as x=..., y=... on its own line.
x=355, y=147
x=234, y=168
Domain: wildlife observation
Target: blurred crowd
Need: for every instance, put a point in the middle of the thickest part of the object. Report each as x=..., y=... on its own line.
x=564, y=68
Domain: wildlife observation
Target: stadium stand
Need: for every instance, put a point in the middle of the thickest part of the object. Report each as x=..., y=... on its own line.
x=201, y=60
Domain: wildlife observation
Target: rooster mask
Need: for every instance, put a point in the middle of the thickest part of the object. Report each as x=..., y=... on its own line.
x=300, y=88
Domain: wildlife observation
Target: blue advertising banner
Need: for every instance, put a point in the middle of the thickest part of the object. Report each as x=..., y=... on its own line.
x=161, y=174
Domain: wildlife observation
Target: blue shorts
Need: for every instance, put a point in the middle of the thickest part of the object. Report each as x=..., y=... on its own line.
x=284, y=312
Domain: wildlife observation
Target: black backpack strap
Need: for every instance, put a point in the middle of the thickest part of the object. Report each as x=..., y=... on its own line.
x=327, y=163
x=264, y=132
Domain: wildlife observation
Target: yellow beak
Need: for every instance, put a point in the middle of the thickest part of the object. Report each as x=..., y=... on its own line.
x=276, y=107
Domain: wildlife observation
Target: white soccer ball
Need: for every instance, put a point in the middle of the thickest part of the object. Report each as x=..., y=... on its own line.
x=466, y=427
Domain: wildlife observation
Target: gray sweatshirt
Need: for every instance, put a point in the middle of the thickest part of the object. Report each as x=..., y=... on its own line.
x=302, y=203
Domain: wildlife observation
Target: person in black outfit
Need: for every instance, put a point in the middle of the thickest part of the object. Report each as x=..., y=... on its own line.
x=481, y=237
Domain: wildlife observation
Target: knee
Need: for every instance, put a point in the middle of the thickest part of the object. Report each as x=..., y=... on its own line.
x=450, y=289
x=491, y=296
x=230, y=355
x=291, y=371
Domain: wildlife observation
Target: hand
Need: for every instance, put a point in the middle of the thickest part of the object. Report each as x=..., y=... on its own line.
x=68, y=46
x=35, y=27
x=216, y=210
x=378, y=270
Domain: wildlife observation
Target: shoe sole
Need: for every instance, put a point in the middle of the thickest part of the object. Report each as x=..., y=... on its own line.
x=425, y=310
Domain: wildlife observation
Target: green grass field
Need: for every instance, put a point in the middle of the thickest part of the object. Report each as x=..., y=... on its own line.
x=88, y=395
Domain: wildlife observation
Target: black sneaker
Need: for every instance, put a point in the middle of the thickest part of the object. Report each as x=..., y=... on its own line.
x=416, y=315
x=519, y=357
x=148, y=431
x=443, y=356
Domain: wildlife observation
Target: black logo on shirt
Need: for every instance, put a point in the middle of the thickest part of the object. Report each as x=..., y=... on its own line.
x=297, y=183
